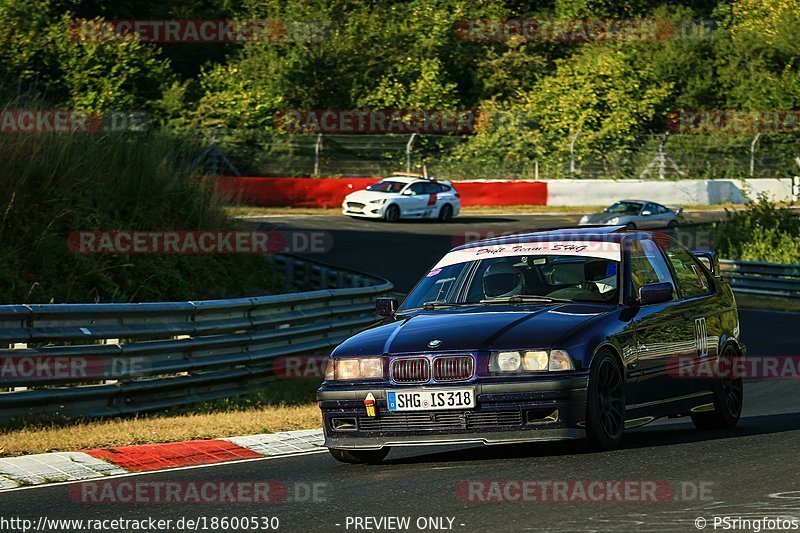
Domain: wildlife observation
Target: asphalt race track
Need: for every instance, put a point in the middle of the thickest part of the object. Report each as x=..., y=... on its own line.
x=751, y=472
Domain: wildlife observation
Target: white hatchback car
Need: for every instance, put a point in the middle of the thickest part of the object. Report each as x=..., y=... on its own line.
x=404, y=196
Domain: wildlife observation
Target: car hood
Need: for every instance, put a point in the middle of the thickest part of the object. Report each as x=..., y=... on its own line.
x=364, y=196
x=472, y=329
x=603, y=218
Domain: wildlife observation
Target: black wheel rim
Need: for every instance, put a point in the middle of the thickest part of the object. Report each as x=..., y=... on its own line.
x=610, y=398
x=732, y=390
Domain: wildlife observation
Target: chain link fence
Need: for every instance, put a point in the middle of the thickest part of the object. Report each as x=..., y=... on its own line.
x=680, y=156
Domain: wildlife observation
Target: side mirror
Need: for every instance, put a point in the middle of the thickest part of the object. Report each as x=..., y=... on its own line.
x=656, y=293
x=385, y=306
x=646, y=213
x=709, y=259
x=408, y=192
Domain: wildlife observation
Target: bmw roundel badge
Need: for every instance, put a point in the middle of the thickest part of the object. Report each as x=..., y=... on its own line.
x=435, y=343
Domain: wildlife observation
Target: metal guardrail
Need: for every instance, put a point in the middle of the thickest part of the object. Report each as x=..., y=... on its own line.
x=765, y=279
x=98, y=360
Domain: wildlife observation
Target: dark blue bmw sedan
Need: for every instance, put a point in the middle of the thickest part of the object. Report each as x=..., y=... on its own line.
x=568, y=334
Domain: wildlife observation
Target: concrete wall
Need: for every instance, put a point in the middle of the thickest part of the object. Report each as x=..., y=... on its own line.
x=686, y=192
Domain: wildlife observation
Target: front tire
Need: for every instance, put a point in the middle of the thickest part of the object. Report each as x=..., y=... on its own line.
x=673, y=224
x=605, y=404
x=630, y=226
x=392, y=214
x=728, y=401
x=370, y=457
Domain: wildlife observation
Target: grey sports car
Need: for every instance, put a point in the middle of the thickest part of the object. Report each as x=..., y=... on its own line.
x=635, y=214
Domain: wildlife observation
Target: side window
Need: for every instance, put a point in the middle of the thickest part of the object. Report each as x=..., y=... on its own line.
x=417, y=188
x=432, y=188
x=651, y=208
x=662, y=210
x=689, y=275
x=647, y=265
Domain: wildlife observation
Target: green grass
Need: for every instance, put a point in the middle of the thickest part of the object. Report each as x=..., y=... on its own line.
x=54, y=184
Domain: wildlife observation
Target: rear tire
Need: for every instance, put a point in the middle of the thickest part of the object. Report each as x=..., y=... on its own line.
x=370, y=457
x=446, y=213
x=673, y=224
x=630, y=226
x=605, y=403
x=392, y=214
x=728, y=401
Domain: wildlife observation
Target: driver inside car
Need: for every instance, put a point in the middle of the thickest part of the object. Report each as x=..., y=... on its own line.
x=502, y=280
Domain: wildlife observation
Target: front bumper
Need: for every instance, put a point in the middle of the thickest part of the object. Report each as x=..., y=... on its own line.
x=506, y=412
x=368, y=211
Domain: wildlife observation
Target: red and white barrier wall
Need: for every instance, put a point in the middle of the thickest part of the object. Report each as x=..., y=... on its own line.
x=330, y=192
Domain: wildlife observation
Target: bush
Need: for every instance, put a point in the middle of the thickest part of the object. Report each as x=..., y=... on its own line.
x=762, y=232
x=51, y=185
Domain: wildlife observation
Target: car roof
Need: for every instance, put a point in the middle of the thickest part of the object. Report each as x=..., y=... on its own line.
x=631, y=200
x=402, y=179
x=591, y=233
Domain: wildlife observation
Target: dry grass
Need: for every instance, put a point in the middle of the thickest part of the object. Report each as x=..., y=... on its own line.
x=149, y=430
x=280, y=406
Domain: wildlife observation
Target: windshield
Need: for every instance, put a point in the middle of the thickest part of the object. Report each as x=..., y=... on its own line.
x=625, y=208
x=387, y=186
x=524, y=277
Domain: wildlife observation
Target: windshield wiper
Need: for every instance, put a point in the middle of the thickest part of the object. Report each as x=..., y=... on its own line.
x=429, y=306
x=524, y=299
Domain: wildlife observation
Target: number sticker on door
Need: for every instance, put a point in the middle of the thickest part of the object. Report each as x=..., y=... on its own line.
x=701, y=336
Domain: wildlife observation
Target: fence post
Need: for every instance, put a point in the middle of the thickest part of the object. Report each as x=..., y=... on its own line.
x=753, y=154
x=408, y=152
x=572, y=153
x=317, y=150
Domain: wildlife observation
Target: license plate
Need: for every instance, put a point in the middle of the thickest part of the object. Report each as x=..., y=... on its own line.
x=430, y=400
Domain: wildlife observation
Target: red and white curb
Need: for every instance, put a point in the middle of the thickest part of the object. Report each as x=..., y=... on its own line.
x=17, y=472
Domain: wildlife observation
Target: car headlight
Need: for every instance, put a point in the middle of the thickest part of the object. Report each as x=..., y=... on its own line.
x=378, y=201
x=530, y=361
x=353, y=368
